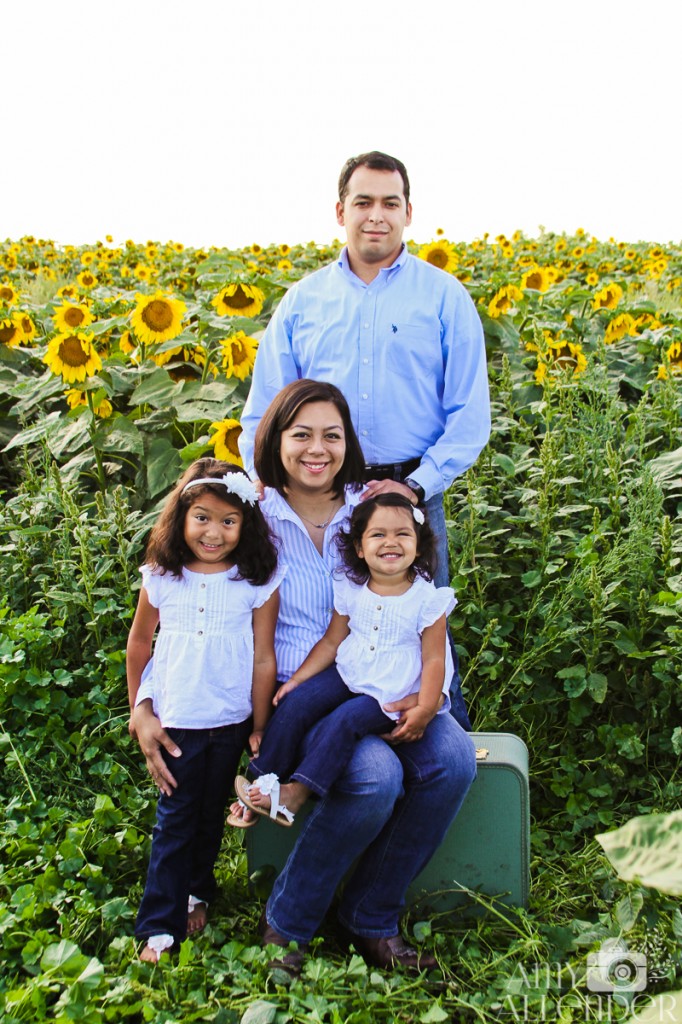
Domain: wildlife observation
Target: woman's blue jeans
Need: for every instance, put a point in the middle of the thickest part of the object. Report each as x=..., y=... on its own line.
x=389, y=811
x=189, y=827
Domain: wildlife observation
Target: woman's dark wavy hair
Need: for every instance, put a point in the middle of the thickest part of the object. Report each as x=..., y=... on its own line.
x=348, y=541
x=281, y=413
x=255, y=555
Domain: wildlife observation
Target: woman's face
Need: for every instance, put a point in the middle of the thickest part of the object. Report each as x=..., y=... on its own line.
x=313, y=447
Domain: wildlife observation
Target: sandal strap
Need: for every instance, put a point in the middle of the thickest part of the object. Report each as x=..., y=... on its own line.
x=269, y=785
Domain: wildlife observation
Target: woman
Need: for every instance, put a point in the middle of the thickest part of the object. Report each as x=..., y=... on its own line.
x=309, y=459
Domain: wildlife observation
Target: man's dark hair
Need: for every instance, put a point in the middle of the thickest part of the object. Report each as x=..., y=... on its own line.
x=376, y=161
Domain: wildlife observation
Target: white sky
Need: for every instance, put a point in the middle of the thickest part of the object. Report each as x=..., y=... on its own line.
x=218, y=122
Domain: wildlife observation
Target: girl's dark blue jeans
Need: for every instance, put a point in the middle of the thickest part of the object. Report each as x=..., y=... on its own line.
x=189, y=827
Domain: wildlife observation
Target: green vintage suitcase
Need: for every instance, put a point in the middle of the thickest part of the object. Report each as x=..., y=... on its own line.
x=485, y=849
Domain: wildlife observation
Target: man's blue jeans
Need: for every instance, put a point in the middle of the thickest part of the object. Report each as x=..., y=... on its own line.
x=390, y=811
x=189, y=827
x=435, y=512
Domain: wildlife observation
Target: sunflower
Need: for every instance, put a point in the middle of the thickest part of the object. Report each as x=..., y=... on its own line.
x=158, y=317
x=537, y=279
x=560, y=355
x=592, y=278
x=239, y=354
x=87, y=258
x=441, y=254
x=9, y=296
x=503, y=300
x=284, y=249
x=68, y=291
x=72, y=316
x=285, y=265
x=608, y=297
x=73, y=356
x=86, y=279
x=27, y=326
x=673, y=361
x=144, y=273
x=102, y=408
x=225, y=439
x=620, y=326
x=11, y=333
x=239, y=300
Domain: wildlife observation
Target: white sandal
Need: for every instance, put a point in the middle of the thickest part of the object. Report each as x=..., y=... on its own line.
x=269, y=786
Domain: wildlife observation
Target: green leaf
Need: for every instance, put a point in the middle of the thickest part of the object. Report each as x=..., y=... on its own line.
x=434, y=1015
x=260, y=1012
x=158, y=390
x=648, y=849
x=628, y=910
x=163, y=466
x=506, y=464
x=421, y=930
x=597, y=685
x=64, y=957
x=35, y=433
x=532, y=578
x=120, y=435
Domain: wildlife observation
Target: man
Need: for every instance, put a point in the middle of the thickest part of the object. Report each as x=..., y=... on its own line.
x=399, y=337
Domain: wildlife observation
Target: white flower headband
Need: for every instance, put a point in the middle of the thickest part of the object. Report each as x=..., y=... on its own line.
x=418, y=515
x=235, y=483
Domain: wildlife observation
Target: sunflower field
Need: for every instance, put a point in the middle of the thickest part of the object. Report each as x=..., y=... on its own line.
x=119, y=365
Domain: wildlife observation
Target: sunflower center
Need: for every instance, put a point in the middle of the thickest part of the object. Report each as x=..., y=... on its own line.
x=7, y=334
x=157, y=315
x=74, y=316
x=239, y=299
x=6, y=294
x=237, y=352
x=231, y=439
x=72, y=352
x=438, y=258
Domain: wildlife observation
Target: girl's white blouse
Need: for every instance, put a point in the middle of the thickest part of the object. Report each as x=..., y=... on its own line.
x=201, y=671
x=382, y=655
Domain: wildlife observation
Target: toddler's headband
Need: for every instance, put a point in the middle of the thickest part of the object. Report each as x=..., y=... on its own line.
x=235, y=483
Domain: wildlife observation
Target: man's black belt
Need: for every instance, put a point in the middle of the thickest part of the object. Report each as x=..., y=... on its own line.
x=391, y=470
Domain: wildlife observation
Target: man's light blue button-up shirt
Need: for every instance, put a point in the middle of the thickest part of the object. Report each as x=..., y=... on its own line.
x=406, y=350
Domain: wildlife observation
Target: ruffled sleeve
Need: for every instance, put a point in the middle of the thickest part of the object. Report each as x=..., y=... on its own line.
x=343, y=594
x=436, y=601
x=264, y=592
x=150, y=582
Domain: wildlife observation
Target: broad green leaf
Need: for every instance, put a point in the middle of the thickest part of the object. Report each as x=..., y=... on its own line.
x=648, y=849
x=163, y=466
x=532, y=578
x=597, y=686
x=120, y=435
x=666, y=1007
x=434, y=1015
x=158, y=390
x=628, y=910
x=505, y=463
x=64, y=957
x=37, y=432
x=666, y=467
x=259, y=1012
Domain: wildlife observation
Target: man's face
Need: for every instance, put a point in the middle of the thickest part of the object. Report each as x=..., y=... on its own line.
x=374, y=214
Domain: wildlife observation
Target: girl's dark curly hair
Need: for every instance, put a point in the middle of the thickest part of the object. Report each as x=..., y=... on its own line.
x=348, y=541
x=255, y=555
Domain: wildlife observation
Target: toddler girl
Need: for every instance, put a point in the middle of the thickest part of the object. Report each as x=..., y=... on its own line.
x=388, y=639
x=210, y=583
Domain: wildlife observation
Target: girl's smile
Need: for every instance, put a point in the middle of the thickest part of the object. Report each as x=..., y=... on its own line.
x=212, y=531
x=389, y=544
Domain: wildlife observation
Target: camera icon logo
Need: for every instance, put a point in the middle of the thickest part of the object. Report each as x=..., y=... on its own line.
x=615, y=968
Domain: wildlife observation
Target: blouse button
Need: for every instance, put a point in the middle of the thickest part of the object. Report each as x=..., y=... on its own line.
x=375, y=627
x=371, y=647
x=203, y=586
x=200, y=632
x=378, y=607
x=201, y=609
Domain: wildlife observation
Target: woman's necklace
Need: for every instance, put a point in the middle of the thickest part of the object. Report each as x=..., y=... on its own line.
x=318, y=526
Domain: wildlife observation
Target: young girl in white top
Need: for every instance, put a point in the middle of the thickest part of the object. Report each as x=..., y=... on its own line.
x=387, y=638
x=210, y=582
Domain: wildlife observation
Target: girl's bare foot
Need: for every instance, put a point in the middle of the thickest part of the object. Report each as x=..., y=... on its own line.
x=292, y=794
x=150, y=956
x=241, y=816
x=196, y=918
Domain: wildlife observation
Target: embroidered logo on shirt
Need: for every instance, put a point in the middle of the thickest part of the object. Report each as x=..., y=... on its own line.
x=394, y=328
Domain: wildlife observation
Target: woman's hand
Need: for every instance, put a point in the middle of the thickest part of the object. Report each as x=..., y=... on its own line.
x=152, y=737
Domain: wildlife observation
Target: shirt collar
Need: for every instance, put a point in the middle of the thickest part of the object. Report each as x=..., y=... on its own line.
x=344, y=265
x=275, y=506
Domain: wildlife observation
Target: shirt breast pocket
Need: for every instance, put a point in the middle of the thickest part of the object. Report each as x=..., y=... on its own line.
x=413, y=351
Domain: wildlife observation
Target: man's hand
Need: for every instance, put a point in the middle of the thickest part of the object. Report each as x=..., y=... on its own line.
x=375, y=487
x=152, y=737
